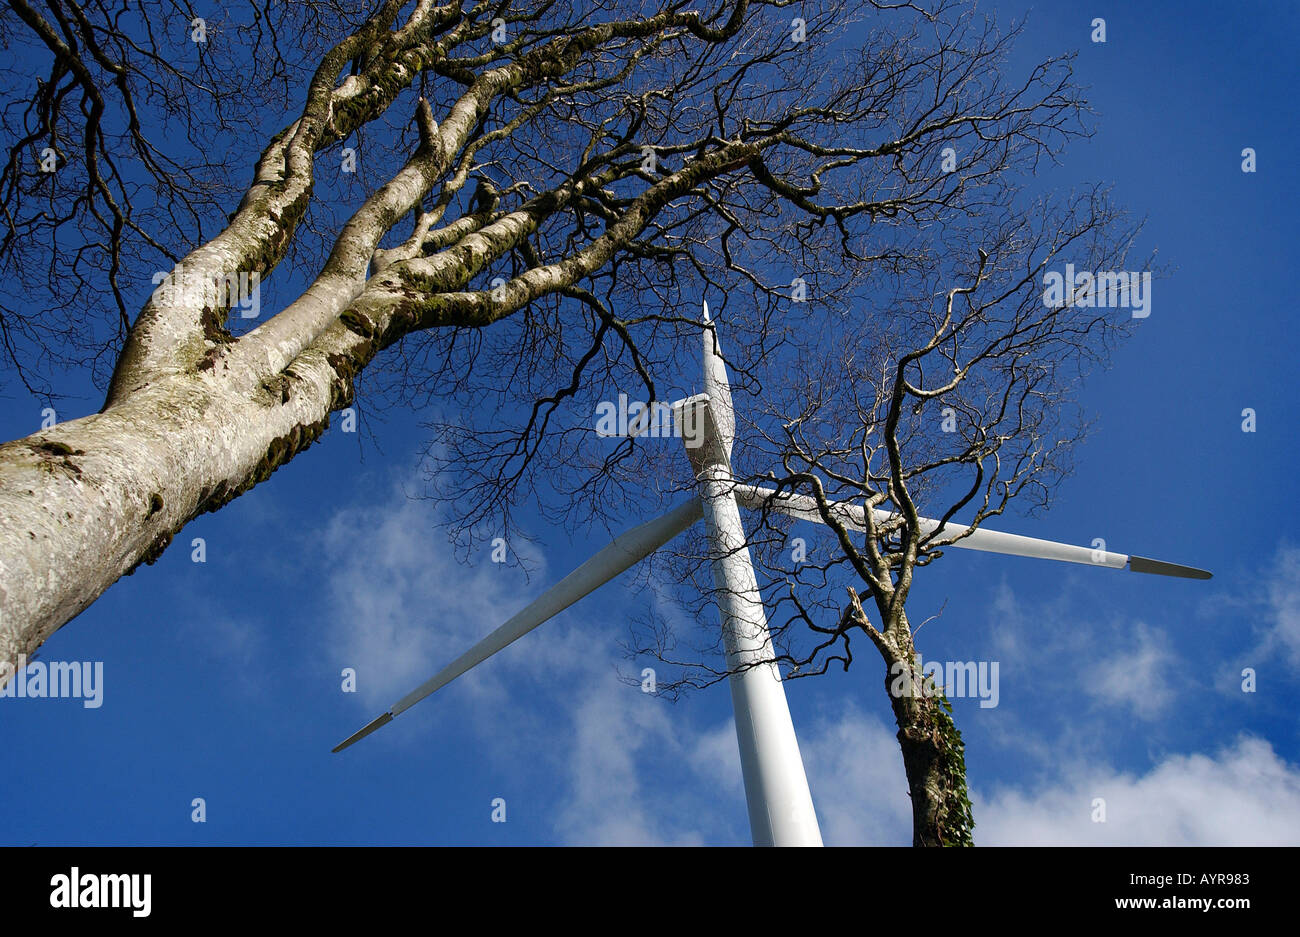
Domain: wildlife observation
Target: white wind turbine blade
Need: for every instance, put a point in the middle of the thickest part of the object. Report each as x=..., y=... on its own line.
x=852, y=516
x=627, y=549
x=718, y=388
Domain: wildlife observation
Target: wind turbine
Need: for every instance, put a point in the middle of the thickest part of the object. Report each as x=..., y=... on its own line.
x=776, y=788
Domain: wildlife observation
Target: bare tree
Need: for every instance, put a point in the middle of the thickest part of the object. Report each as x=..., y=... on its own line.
x=546, y=193
x=955, y=404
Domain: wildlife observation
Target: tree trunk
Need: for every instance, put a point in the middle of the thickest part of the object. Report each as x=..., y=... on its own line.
x=935, y=761
x=87, y=501
x=934, y=755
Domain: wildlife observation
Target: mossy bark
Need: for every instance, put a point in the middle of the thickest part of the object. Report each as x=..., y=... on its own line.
x=934, y=755
x=934, y=758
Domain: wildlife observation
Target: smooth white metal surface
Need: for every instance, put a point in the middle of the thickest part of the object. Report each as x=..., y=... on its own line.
x=776, y=788
x=853, y=516
x=717, y=387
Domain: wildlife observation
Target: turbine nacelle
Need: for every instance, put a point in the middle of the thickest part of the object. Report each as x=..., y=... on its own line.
x=706, y=446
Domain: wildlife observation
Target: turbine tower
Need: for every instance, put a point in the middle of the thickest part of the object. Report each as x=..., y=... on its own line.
x=776, y=788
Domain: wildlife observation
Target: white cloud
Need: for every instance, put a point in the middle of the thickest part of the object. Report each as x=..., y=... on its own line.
x=1110, y=661
x=1267, y=608
x=715, y=758
x=1243, y=795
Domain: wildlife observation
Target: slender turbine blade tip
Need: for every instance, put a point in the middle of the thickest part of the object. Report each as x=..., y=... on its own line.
x=983, y=539
x=1141, y=564
x=357, y=736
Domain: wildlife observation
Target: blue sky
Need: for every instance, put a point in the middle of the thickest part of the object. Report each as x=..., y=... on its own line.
x=222, y=679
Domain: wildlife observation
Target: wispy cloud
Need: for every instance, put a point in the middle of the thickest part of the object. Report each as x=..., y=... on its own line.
x=400, y=604
x=1282, y=590
x=1068, y=668
x=1260, y=617
x=399, y=607
x=856, y=773
x=620, y=746
x=1136, y=676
